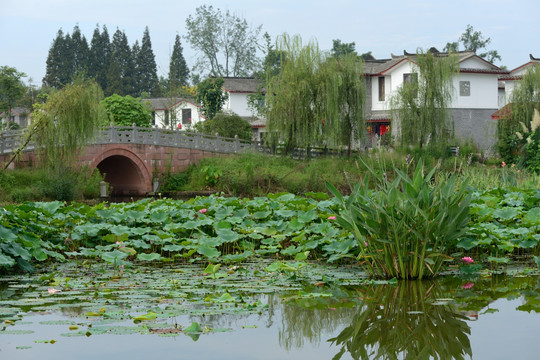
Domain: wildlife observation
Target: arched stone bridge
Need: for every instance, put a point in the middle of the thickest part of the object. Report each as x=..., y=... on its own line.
x=130, y=157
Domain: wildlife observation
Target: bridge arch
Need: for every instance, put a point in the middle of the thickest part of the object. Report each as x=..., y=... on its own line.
x=125, y=171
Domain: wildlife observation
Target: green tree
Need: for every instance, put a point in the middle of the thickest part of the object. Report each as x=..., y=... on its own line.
x=178, y=69
x=343, y=97
x=474, y=41
x=226, y=43
x=293, y=107
x=64, y=124
x=58, y=70
x=420, y=106
x=315, y=99
x=211, y=96
x=147, y=79
x=227, y=125
x=339, y=49
x=99, y=56
x=127, y=110
x=12, y=89
x=120, y=75
x=80, y=51
x=519, y=133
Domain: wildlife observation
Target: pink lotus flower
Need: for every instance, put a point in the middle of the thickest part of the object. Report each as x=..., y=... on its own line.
x=467, y=259
x=53, y=291
x=468, y=285
x=203, y=211
x=331, y=218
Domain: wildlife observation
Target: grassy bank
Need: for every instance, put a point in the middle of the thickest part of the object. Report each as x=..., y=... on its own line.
x=30, y=184
x=257, y=175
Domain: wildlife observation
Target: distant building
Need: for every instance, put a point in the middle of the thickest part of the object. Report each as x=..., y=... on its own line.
x=174, y=113
x=239, y=89
x=19, y=116
x=475, y=98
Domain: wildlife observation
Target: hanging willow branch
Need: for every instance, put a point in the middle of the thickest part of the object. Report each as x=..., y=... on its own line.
x=68, y=121
x=64, y=124
x=421, y=105
x=314, y=99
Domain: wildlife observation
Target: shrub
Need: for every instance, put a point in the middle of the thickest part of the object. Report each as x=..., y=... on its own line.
x=405, y=227
x=226, y=125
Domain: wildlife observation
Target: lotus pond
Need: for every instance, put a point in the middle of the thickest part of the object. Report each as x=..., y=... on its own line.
x=262, y=278
x=85, y=311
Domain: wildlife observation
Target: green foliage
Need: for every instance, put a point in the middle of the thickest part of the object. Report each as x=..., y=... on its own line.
x=67, y=122
x=121, y=77
x=314, y=99
x=226, y=43
x=226, y=125
x=420, y=106
x=146, y=68
x=178, y=69
x=519, y=132
x=127, y=110
x=406, y=228
x=211, y=174
x=99, y=56
x=11, y=89
x=211, y=96
x=473, y=41
x=340, y=49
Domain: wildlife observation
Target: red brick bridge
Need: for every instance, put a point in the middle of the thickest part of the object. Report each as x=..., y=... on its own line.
x=132, y=157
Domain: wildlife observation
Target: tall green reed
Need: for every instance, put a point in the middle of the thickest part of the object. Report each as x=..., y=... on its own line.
x=405, y=226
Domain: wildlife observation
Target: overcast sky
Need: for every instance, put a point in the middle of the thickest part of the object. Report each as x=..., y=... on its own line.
x=28, y=27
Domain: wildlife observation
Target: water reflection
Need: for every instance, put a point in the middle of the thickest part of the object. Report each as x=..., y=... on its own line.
x=411, y=321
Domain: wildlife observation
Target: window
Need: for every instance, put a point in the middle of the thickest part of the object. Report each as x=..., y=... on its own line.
x=186, y=116
x=464, y=88
x=166, y=117
x=381, y=88
x=410, y=77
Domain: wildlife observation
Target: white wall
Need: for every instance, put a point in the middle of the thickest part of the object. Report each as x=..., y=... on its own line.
x=475, y=63
x=238, y=104
x=195, y=116
x=484, y=90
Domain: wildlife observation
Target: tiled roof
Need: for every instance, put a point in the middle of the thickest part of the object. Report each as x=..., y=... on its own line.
x=240, y=84
x=378, y=67
x=165, y=103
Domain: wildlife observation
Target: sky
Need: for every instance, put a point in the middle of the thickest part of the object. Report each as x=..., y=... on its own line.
x=28, y=27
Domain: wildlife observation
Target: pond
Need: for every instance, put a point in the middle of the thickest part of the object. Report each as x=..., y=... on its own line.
x=81, y=310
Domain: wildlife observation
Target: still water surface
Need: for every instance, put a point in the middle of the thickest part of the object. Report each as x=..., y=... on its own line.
x=263, y=317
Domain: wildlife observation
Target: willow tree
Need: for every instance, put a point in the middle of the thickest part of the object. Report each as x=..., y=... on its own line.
x=64, y=124
x=519, y=133
x=314, y=99
x=420, y=105
x=68, y=121
x=343, y=98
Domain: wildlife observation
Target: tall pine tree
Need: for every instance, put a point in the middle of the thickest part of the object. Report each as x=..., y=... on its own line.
x=99, y=56
x=147, y=78
x=120, y=72
x=57, y=73
x=80, y=51
x=178, y=69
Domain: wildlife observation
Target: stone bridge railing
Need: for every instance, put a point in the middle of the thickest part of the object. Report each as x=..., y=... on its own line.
x=11, y=140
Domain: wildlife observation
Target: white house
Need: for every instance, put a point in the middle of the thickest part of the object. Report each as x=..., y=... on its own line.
x=238, y=89
x=19, y=116
x=475, y=94
x=174, y=113
x=508, y=82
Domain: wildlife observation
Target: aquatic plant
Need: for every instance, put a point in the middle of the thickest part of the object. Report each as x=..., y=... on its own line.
x=406, y=227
